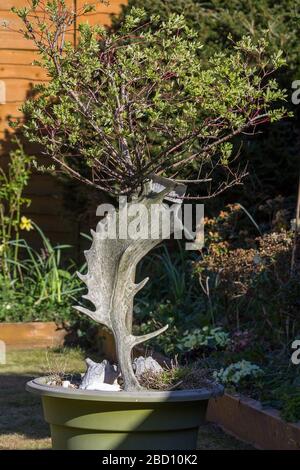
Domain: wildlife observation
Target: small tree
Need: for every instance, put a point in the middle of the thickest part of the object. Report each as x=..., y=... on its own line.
x=123, y=108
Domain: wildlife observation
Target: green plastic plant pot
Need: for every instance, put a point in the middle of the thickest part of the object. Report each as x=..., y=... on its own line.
x=146, y=420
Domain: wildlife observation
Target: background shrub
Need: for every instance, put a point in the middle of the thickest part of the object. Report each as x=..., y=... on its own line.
x=273, y=157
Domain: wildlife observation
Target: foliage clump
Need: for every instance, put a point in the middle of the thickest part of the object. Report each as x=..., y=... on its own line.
x=206, y=337
x=35, y=284
x=254, y=284
x=12, y=202
x=238, y=372
x=273, y=156
x=217, y=20
x=123, y=106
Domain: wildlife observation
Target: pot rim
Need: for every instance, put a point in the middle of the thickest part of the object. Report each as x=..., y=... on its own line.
x=39, y=387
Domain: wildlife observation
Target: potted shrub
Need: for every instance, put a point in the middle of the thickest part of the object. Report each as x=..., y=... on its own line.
x=135, y=114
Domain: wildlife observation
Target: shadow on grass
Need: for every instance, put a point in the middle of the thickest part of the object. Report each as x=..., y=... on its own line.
x=20, y=412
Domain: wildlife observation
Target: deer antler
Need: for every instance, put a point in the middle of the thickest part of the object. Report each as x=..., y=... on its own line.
x=112, y=266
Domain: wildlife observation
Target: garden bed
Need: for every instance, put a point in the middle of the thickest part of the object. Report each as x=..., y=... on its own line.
x=249, y=421
x=32, y=335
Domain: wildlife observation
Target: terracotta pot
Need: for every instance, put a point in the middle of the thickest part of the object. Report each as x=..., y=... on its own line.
x=32, y=335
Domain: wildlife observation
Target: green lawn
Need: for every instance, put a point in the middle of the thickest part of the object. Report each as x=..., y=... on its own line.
x=21, y=421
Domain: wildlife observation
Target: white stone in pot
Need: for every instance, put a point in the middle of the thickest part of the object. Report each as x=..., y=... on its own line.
x=142, y=364
x=97, y=374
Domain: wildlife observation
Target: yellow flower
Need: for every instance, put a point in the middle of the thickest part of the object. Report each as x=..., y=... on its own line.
x=2, y=248
x=26, y=224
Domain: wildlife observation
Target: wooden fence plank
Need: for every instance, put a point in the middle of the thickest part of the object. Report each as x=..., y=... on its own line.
x=2, y=92
x=8, y=111
x=22, y=72
x=16, y=57
x=8, y=4
x=15, y=41
x=113, y=7
x=18, y=89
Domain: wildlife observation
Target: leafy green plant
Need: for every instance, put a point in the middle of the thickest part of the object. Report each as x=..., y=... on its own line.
x=290, y=410
x=44, y=287
x=33, y=283
x=12, y=184
x=44, y=269
x=172, y=297
x=250, y=278
x=175, y=274
x=273, y=158
x=172, y=274
x=208, y=337
x=281, y=386
x=217, y=19
x=238, y=373
x=19, y=305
